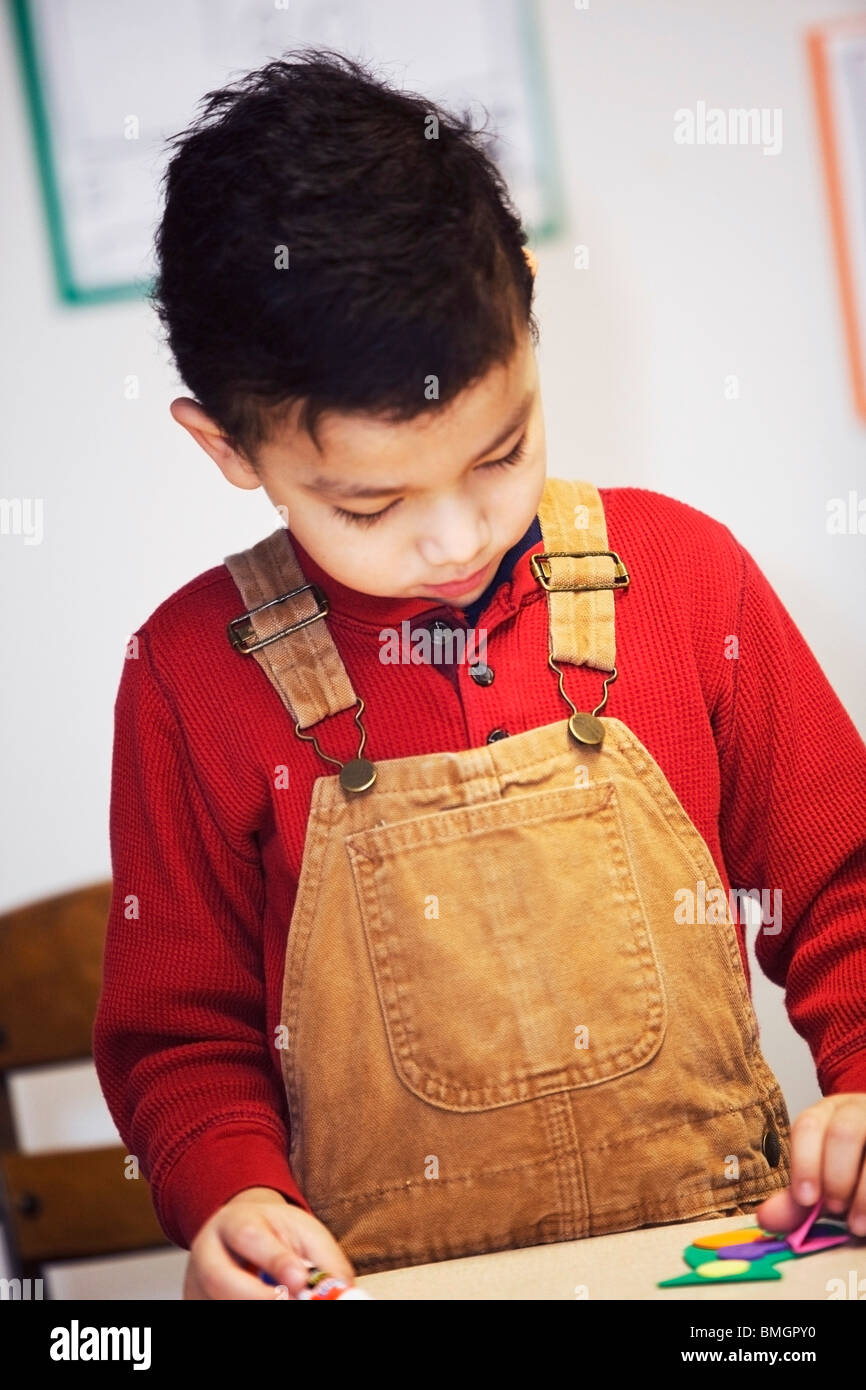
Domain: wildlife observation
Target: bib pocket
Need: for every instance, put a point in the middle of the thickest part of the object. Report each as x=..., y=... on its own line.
x=509, y=946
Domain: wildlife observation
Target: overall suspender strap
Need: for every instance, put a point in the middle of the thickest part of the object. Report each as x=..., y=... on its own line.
x=580, y=581
x=281, y=630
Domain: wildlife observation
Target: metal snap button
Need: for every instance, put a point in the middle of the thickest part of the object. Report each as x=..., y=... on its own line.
x=771, y=1147
x=481, y=673
x=496, y=734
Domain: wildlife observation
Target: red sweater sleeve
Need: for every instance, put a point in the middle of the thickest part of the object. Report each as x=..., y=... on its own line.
x=178, y=1040
x=793, y=819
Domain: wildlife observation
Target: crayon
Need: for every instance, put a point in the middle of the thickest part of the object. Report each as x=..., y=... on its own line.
x=322, y=1287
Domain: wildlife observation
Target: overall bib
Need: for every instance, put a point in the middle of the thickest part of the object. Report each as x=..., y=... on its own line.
x=495, y=1032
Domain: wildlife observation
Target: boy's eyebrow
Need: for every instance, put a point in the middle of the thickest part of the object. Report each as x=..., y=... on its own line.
x=336, y=487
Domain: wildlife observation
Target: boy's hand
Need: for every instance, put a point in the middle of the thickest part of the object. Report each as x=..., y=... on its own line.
x=828, y=1162
x=260, y=1227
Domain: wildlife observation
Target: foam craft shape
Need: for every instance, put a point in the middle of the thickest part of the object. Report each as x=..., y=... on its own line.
x=804, y=1244
x=751, y=1250
x=752, y=1254
x=714, y=1269
x=694, y=1256
x=732, y=1238
x=706, y=1270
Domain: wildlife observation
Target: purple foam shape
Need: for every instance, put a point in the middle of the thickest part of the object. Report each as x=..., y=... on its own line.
x=751, y=1251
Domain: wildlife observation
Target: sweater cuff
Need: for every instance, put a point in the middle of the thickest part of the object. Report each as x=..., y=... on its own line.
x=849, y=1075
x=212, y=1169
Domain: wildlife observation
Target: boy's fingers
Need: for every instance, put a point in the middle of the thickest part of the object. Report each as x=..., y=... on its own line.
x=857, y=1211
x=192, y=1290
x=219, y=1276
x=261, y=1253
x=319, y=1245
x=807, y=1147
x=279, y=1254
x=781, y=1213
x=843, y=1155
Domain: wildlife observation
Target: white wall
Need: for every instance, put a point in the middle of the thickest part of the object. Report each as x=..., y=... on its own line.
x=704, y=261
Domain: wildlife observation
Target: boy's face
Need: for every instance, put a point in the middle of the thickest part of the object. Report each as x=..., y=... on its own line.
x=448, y=504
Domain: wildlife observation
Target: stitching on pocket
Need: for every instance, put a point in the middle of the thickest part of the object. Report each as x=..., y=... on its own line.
x=520, y=961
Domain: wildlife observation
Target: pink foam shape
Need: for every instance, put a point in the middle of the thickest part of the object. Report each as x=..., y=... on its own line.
x=800, y=1243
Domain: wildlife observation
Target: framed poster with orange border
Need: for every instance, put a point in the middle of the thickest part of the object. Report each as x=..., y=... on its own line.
x=837, y=59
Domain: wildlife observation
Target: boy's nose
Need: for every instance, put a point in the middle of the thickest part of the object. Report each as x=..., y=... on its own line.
x=456, y=552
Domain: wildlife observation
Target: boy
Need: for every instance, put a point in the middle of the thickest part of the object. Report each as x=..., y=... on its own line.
x=475, y=990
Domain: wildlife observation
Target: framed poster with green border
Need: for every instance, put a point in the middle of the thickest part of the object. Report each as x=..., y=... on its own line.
x=107, y=81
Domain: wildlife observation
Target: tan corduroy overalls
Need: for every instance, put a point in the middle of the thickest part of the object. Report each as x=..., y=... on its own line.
x=494, y=1032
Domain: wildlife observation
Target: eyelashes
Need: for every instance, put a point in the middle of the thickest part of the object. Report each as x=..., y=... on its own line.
x=362, y=518
x=369, y=518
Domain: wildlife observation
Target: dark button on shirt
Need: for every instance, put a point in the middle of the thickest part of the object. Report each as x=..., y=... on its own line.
x=482, y=674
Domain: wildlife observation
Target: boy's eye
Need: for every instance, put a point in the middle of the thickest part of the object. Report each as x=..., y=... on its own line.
x=362, y=518
x=368, y=518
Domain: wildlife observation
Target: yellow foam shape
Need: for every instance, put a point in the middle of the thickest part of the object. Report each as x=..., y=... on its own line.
x=721, y=1269
x=729, y=1238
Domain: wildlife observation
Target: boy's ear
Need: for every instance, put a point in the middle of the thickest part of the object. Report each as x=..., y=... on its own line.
x=530, y=256
x=207, y=433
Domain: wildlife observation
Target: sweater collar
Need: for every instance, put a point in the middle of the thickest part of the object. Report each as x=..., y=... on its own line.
x=379, y=611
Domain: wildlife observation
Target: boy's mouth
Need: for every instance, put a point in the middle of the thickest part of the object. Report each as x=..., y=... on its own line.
x=462, y=586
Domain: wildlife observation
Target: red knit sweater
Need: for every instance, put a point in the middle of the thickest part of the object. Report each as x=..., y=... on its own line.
x=206, y=850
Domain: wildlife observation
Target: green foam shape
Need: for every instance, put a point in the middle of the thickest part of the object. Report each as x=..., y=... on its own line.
x=758, y=1270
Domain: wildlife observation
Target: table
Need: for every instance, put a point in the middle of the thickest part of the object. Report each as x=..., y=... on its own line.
x=625, y=1265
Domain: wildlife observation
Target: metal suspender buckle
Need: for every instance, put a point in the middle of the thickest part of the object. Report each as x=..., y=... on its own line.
x=541, y=570
x=242, y=633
